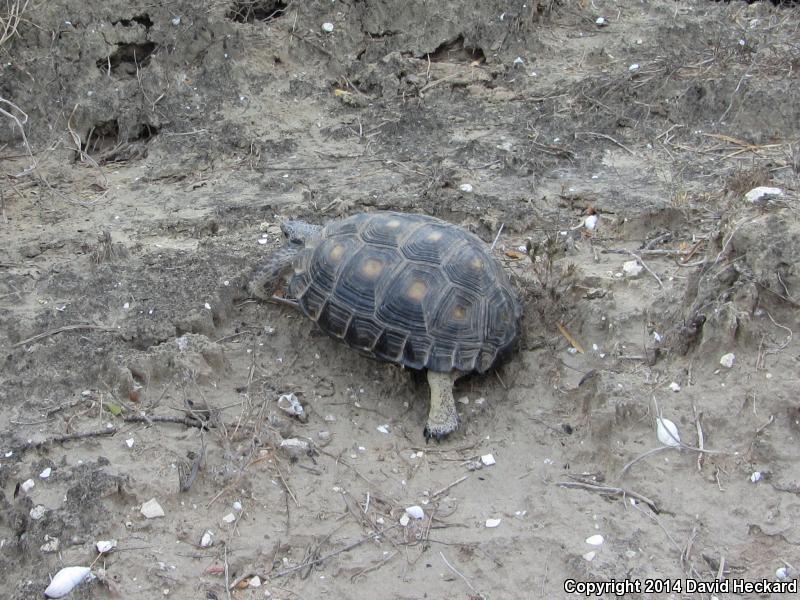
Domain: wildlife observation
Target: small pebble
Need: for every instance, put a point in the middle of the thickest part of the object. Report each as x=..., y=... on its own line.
x=229, y=518
x=255, y=582
x=601, y=22
x=488, y=460
x=152, y=509
x=727, y=360
x=327, y=27
x=37, y=512
x=237, y=506
x=492, y=523
x=595, y=540
x=589, y=556
x=129, y=442
x=415, y=512
x=675, y=387
x=782, y=574
x=27, y=485
x=383, y=428
x=634, y=67
x=632, y=268
x=404, y=520
x=207, y=540
x=466, y=188
x=756, y=476
x=104, y=546
x=590, y=222
x=176, y=21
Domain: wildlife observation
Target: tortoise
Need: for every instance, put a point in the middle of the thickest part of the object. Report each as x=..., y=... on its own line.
x=405, y=288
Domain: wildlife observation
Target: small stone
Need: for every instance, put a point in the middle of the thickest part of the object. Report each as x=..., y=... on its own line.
x=104, y=546
x=756, y=476
x=255, y=582
x=404, y=520
x=45, y=473
x=492, y=523
x=207, y=540
x=330, y=419
x=383, y=428
x=152, y=509
x=601, y=22
x=632, y=268
x=129, y=442
x=327, y=27
x=37, y=512
x=589, y=556
x=175, y=21
x=237, y=506
x=229, y=518
x=465, y=187
x=595, y=540
x=324, y=435
x=488, y=460
x=675, y=387
x=415, y=512
x=51, y=544
x=590, y=222
x=27, y=485
x=634, y=67
x=519, y=61
x=727, y=360
x=474, y=465
x=782, y=574
x=294, y=447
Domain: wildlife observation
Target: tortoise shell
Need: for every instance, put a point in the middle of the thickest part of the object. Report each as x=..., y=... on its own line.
x=409, y=289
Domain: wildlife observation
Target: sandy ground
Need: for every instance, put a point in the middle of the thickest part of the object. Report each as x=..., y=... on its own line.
x=165, y=141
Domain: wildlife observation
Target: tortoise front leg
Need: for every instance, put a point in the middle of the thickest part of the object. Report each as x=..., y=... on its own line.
x=442, y=417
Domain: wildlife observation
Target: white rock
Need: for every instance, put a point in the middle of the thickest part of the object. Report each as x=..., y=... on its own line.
x=595, y=540
x=207, y=540
x=152, y=509
x=519, y=61
x=465, y=187
x=601, y=21
x=237, y=506
x=294, y=447
x=46, y=473
x=589, y=556
x=104, y=546
x=327, y=27
x=404, y=520
x=492, y=523
x=229, y=518
x=65, y=580
x=632, y=268
x=488, y=460
x=634, y=67
x=51, y=544
x=463, y=400
x=176, y=21
x=756, y=476
x=590, y=222
x=129, y=442
x=289, y=404
x=383, y=428
x=330, y=419
x=759, y=193
x=782, y=574
x=27, y=485
x=255, y=582
x=416, y=512
x=667, y=432
x=37, y=512
x=675, y=386
x=263, y=241
x=727, y=360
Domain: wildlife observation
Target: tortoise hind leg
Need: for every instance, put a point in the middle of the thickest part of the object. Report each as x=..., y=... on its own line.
x=442, y=417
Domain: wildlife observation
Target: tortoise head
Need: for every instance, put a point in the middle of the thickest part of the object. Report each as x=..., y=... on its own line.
x=298, y=232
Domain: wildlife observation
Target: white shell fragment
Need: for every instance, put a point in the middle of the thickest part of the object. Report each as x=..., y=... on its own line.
x=207, y=540
x=104, y=546
x=152, y=509
x=727, y=360
x=632, y=268
x=492, y=523
x=45, y=473
x=289, y=404
x=667, y=432
x=27, y=485
x=589, y=556
x=595, y=540
x=488, y=460
x=415, y=512
x=465, y=187
x=327, y=27
x=383, y=428
x=756, y=476
x=65, y=580
x=760, y=193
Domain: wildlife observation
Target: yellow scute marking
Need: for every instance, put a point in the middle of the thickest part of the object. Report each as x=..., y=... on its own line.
x=371, y=268
x=459, y=313
x=476, y=263
x=337, y=252
x=417, y=290
x=393, y=224
x=434, y=236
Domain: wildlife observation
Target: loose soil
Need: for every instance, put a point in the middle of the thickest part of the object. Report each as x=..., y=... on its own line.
x=163, y=143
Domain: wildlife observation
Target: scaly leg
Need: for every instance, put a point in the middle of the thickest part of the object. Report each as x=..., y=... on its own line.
x=442, y=418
